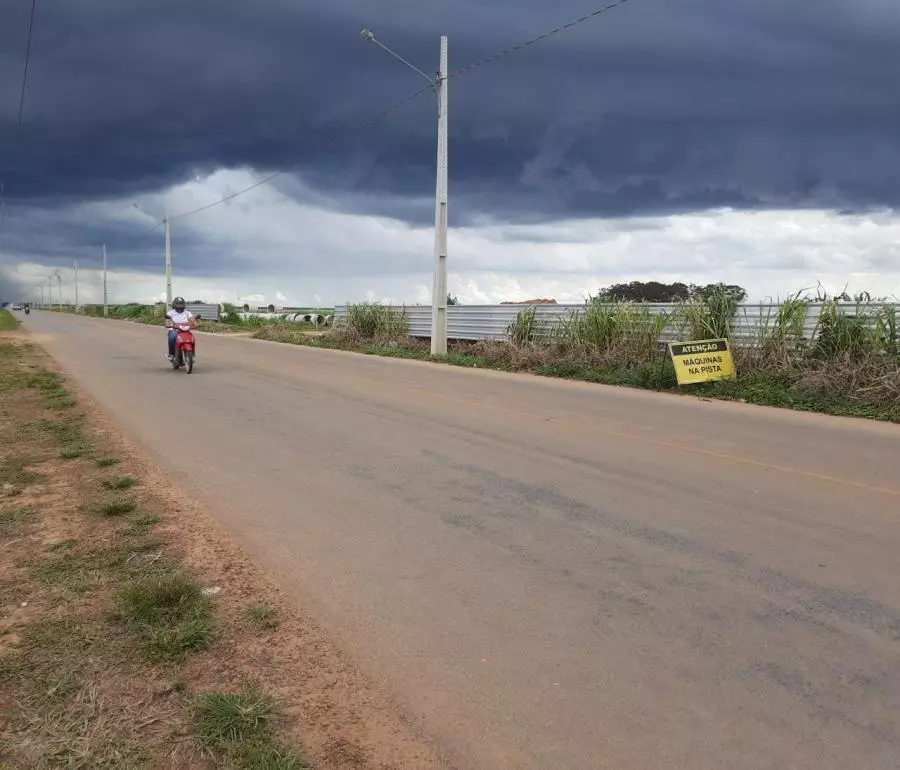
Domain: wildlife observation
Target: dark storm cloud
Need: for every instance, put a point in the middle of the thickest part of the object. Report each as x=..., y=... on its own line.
x=658, y=106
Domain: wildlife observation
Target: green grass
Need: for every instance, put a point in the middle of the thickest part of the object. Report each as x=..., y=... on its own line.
x=107, y=462
x=61, y=402
x=239, y=726
x=71, y=452
x=269, y=757
x=115, y=505
x=120, y=482
x=11, y=521
x=76, y=573
x=225, y=719
x=63, y=545
x=14, y=471
x=262, y=617
x=170, y=613
x=67, y=431
x=8, y=322
x=142, y=525
x=848, y=366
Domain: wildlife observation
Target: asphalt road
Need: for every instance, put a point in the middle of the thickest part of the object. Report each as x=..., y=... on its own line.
x=547, y=574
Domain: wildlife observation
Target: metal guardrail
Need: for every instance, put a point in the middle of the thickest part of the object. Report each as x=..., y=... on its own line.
x=492, y=322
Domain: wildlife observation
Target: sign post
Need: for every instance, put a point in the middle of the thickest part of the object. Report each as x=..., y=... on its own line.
x=702, y=361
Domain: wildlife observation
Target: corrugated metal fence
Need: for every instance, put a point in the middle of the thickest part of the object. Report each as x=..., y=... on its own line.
x=204, y=312
x=492, y=322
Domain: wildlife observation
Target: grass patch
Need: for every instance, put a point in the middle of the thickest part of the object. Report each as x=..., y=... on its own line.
x=50, y=383
x=71, y=452
x=63, y=545
x=170, y=613
x=67, y=432
x=116, y=505
x=60, y=687
x=239, y=726
x=262, y=617
x=120, y=482
x=107, y=613
x=836, y=356
x=269, y=757
x=12, y=520
x=225, y=719
x=142, y=525
x=8, y=322
x=76, y=573
x=14, y=471
x=60, y=403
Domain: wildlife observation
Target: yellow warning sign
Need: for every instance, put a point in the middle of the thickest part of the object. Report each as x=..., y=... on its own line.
x=701, y=361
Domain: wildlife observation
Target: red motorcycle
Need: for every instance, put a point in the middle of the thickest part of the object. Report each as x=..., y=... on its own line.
x=184, y=348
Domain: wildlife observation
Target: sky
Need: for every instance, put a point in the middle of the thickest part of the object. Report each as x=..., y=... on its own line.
x=693, y=140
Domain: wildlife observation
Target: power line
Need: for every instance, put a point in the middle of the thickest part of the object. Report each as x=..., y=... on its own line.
x=25, y=71
x=390, y=110
x=539, y=39
x=19, y=117
x=346, y=135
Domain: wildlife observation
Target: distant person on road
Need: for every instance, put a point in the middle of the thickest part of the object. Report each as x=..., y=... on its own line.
x=178, y=315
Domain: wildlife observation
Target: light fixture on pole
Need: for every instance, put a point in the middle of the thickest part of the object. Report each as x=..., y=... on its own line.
x=439, y=290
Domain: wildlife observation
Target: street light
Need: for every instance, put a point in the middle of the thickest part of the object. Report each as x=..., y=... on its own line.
x=168, y=230
x=439, y=290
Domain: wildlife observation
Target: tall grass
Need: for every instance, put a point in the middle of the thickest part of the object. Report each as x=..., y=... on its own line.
x=631, y=329
x=130, y=311
x=8, y=321
x=373, y=321
x=710, y=315
x=851, y=333
x=525, y=328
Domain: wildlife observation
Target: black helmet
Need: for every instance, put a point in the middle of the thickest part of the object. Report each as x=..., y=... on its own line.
x=178, y=304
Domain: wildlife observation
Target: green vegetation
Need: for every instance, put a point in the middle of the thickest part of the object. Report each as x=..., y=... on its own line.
x=109, y=607
x=170, y=613
x=12, y=519
x=8, y=322
x=120, y=482
x=262, y=617
x=116, y=505
x=238, y=726
x=131, y=311
x=14, y=470
x=849, y=364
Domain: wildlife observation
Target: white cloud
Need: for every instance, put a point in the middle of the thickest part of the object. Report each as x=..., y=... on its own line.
x=270, y=244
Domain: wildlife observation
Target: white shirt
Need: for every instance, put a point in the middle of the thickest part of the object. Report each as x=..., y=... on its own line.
x=180, y=318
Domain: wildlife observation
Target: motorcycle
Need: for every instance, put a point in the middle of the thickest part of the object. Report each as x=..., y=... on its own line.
x=184, y=348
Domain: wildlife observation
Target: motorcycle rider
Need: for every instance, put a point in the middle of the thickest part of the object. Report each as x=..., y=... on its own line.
x=178, y=315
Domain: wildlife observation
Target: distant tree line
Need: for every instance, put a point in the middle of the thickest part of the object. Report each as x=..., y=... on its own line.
x=654, y=291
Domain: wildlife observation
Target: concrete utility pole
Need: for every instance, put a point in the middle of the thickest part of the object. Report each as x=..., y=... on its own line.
x=439, y=288
x=168, y=227
x=439, y=295
x=105, y=298
x=75, y=268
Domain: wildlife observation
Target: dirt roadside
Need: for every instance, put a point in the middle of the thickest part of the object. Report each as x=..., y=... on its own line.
x=93, y=674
